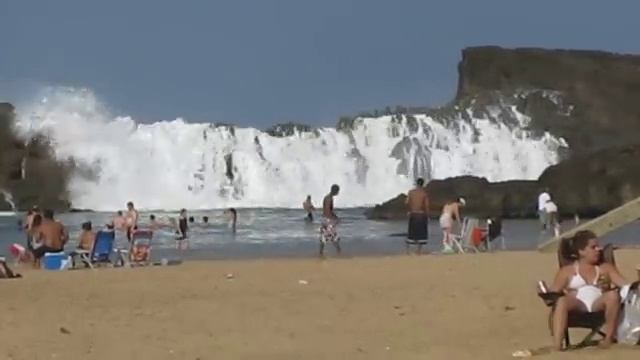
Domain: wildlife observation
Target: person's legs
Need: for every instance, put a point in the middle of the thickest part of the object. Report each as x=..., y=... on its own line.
x=563, y=306
x=610, y=303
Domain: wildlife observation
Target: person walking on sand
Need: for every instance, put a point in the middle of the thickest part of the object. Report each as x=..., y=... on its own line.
x=307, y=205
x=418, y=203
x=328, y=232
x=450, y=215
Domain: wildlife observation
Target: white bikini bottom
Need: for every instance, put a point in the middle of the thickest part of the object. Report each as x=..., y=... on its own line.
x=588, y=295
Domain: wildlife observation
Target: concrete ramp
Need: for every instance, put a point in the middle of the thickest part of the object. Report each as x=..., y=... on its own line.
x=602, y=225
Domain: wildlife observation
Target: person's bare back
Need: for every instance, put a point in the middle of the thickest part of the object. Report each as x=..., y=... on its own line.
x=418, y=201
x=327, y=207
x=52, y=234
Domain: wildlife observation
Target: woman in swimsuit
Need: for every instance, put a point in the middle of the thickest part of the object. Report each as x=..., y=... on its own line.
x=450, y=214
x=586, y=287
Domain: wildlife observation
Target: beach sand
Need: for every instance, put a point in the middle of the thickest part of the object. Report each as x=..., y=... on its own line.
x=480, y=306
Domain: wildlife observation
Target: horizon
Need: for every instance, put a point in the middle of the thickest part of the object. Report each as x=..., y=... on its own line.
x=262, y=63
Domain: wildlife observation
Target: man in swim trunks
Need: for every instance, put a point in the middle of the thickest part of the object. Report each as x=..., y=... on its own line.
x=418, y=203
x=51, y=234
x=450, y=215
x=307, y=205
x=131, y=219
x=329, y=222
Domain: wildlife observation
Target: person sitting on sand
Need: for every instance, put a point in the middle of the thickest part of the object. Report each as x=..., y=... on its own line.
x=586, y=287
x=418, y=203
x=87, y=237
x=307, y=205
x=450, y=215
x=51, y=234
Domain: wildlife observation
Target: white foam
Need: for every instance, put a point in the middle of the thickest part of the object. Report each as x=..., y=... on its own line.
x=175, y=164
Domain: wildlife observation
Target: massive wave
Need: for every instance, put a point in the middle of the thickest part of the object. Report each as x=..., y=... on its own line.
x=175, y=164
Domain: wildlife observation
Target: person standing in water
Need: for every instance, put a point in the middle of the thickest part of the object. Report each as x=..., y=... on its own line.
x=328, y=232
x=131, y=219
x=418, y=203
x=542, y=213
x=233, y=218
x=307, y=205
x=182, y=230
x=450, y=215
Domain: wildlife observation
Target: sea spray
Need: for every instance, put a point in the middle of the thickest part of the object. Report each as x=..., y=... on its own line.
x=175, y=164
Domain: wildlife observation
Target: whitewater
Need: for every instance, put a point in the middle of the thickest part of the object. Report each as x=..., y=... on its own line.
x=180, y=164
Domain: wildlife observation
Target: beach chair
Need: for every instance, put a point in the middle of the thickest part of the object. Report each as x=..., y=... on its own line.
x=100, y=252
x=460, y=241
x=579, y=320
x=139, y=252
x=495, y=233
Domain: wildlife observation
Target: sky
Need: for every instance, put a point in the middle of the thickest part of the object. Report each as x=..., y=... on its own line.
x=261, y=62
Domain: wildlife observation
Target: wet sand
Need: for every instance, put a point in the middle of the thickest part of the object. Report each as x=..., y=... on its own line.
x=480, y=306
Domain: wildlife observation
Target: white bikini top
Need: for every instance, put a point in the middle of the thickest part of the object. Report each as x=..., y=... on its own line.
x=577, y=281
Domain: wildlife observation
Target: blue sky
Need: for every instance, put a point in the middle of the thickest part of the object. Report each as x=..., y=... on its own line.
x=259, y=62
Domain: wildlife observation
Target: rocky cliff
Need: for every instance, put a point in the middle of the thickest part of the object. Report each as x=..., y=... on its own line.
x=589, y=98
x=28, y=170
x=601, y=88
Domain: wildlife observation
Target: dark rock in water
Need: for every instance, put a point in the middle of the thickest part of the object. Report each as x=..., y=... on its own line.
x=74, y=210
x=28, y=169
x=587, y=185
x=590, y=185
x=288, y=129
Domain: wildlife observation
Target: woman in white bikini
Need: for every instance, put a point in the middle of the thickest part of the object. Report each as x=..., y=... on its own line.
x=450, y=214
x=586, y=285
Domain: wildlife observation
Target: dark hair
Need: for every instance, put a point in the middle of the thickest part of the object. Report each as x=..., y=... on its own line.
x=29, y=212
x=420, y=182
x=130, y=203
x=86, y=226
x=119, y=212
x=48, y=214
x=152, y=217
x=577, y=242
x=335, y=188
x=233, y=211
x=191, y=219
x=37, y=220
x=205, y=218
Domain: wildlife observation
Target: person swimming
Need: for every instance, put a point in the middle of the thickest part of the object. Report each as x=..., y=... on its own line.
x=233, y=218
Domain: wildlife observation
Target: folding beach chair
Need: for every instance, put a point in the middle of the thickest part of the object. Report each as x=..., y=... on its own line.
x=592, y=321
x=139, y=252
x=463, y=237
x=100, y=252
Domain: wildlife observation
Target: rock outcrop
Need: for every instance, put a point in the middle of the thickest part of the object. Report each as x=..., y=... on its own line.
x=28, y=170
x=602, y=89
x=587, y=185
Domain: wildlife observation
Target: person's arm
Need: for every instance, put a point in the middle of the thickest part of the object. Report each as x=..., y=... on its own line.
x=456, y=212
x=614, y=275
x=559, y=282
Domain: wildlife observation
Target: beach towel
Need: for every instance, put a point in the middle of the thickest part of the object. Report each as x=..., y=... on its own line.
x=418, y=232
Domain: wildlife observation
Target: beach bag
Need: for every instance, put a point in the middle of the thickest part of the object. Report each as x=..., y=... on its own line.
x=629, y=327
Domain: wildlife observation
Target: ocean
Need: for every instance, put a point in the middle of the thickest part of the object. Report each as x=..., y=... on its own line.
x=275, y=232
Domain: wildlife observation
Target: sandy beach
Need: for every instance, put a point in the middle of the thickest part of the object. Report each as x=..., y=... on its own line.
x=480, y=306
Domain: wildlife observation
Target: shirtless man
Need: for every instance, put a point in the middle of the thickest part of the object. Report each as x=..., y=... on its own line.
x=131, y=219
x=51, y=234
x=450, y=215
x=307, y=205
x=418, y=203
x=329, y=222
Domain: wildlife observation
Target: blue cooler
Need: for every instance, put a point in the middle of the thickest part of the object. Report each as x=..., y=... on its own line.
x=55, y=261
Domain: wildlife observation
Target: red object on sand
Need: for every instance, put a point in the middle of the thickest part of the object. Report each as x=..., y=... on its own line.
x=477, y=235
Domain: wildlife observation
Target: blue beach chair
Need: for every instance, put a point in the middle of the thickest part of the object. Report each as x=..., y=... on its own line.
x=100, y=251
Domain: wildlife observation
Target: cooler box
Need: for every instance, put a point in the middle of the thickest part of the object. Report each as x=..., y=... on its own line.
x=55, y=261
